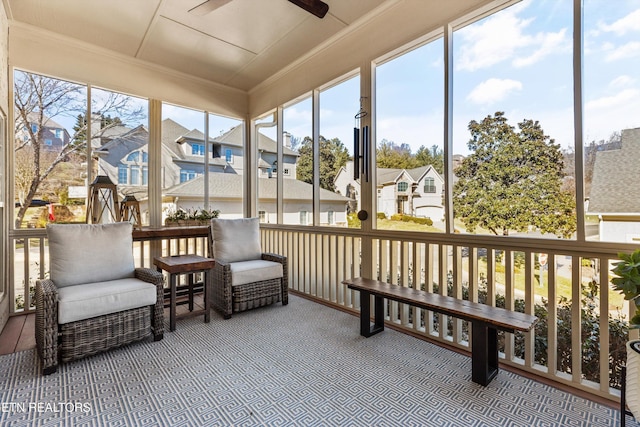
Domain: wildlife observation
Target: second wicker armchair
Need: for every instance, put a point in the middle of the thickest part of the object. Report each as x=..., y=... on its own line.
x=244, y=277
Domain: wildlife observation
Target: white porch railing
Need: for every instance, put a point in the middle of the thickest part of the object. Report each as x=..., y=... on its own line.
x=581, y=345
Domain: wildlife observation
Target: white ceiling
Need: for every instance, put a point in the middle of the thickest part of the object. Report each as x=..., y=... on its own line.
x=239, y=44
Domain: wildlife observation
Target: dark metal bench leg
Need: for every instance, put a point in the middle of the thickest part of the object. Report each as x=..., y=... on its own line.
x=366, y=329
x=484, y=353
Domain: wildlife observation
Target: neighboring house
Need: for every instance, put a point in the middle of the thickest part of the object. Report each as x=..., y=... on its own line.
x=416, y=192
x=124, y=158
x=230, y=147
x=617, y=208
x=225, y=192
x=54, y=137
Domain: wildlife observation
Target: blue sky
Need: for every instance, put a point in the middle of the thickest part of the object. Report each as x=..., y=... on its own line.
x=518, y=61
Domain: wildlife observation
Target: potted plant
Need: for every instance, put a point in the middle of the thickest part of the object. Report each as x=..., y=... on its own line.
x=628, y=281
x=181, y=217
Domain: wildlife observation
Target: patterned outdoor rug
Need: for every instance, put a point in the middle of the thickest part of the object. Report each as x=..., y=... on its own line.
x=303, y=364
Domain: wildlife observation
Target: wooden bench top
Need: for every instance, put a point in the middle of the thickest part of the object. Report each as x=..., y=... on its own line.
x=499, y=318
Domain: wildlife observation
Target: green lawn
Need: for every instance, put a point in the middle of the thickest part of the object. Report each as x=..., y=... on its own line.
x=387, y=224
x=563, y=284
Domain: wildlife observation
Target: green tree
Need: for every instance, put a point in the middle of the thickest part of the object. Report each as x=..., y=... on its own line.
x=433, y=156
x=333, y=156
x=392, y=156
x=80, y=128
x=513, y=180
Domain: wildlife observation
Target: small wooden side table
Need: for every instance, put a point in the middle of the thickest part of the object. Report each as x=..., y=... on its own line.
x=187, y=264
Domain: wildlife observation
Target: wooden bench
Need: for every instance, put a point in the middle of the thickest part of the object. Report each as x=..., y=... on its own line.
x=485, y=320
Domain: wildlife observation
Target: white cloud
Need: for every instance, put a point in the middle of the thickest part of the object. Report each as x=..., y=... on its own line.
x=493, y=90
x=424, y=129
x=614, y=101
x=622, y=26
x=492, y=41
x=295, y=113
x=609, y=114
x=502, y=37
x=622, y=81
x=550, y=43
x=628, y=50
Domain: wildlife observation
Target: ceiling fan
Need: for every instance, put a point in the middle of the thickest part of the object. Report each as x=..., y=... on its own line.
x=315, y=7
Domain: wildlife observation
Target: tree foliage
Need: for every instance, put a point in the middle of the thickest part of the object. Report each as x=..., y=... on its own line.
x=37, y=99
x=333, y=156
x=80, y=128
x=512, y=181
x=433, y=156
x=618, y=331
x=393, y=156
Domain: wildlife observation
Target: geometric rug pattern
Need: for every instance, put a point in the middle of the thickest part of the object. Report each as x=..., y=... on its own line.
x=303, y=364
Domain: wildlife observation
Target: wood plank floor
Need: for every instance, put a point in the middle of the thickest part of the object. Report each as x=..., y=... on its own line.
x=19, y=332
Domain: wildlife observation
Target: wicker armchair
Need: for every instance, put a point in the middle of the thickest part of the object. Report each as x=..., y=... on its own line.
x=95, y=299
x=244, y=277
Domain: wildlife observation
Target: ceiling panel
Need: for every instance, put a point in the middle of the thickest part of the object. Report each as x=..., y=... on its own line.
x=351, y=10
x=252, y=25
x=175, y=46
x=310, y=33
x=240, y=44
x=117, y=25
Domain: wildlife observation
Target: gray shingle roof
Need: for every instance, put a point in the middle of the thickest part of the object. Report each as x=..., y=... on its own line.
x=614, y=173
x=387, y=175
x=229, y=186
x=133, y=137
x=233, y=137
x=171, y=131
x=46, y=121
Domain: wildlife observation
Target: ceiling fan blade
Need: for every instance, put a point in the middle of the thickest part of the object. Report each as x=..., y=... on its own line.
x=316, y=7
x=207, y=7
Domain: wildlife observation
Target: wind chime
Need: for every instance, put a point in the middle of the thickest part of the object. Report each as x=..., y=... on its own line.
x=361, y=153
x=103, y=202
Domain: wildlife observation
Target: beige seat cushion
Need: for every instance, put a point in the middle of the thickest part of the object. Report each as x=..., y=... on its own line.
x=81, y=302
x=254, y=271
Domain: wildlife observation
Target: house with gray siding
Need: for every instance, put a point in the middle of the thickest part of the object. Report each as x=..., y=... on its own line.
x=611, y=201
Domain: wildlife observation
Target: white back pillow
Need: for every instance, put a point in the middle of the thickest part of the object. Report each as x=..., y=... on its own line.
x=236, y=240
x=87, y=253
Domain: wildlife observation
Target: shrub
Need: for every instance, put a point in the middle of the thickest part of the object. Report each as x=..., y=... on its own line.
x=381, y=215
x=590, y=328
x=353, y=221
x=409, y=218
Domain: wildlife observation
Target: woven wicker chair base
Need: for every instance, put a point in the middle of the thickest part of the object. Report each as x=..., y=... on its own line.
x=87, y=337
x=257, y=294
x=227, y=299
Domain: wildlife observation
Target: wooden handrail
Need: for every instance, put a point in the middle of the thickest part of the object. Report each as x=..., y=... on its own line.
x=160, y=233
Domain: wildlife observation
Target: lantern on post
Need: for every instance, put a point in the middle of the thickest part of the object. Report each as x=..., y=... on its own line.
x=130, y=211
x=103, y=201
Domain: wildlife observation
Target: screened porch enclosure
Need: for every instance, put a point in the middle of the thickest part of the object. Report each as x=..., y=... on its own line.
x=473, y=150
